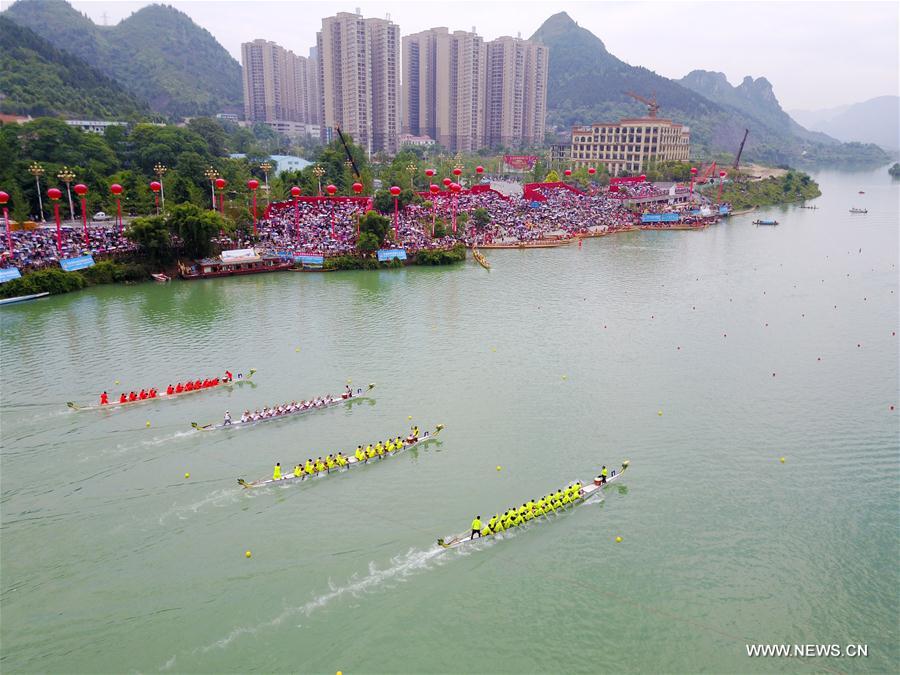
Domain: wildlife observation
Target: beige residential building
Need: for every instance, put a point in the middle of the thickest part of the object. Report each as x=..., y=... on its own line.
x=276, y=84
x=516, y=92
x=359, y=80
x=444, y=87
x=630, y=144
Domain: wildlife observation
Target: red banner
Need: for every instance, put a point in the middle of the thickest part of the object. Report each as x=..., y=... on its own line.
x=520, y=162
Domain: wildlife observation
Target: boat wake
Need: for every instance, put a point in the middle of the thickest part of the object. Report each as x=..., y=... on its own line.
x=216, y=498
x=124, y=448
x=399, y=570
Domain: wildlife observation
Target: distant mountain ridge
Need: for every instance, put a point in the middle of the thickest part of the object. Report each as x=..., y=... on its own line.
x=38, y=79
x=588, y=84
x=874, y=121
x=158, y=53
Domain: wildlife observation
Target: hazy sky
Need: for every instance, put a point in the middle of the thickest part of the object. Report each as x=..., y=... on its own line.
x=815, y=54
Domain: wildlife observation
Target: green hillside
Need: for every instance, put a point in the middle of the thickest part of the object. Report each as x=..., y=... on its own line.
x=157, y=53
x=37, y=79
x=588, y=84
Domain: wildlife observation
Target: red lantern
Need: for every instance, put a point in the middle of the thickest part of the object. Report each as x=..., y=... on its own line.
x=81, y=190
x=357, y=187
x=479, y=169
x=55, y=195
x=434, y=189
x=722, y=174
x=643, y=178
x=116, y=189
x=395, y=191
x=155, y=186
x=592, y=171
x=694, y=170
x=454, y=187
x=567, y=172
x=253, y=184
x=429, y=172
x=447, y=182
x=220, y=184
x=330, y=189
x=295, y=192
x=457, y=171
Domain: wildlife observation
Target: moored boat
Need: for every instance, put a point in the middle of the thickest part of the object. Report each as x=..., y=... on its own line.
x=480, y=259
x=327, y=402
x=855, y=210
x=23, y=298
x=590, y=490
x=240, y=378
x=162, y=278
x=765, y=222
x=351, y=463
x=235, y=263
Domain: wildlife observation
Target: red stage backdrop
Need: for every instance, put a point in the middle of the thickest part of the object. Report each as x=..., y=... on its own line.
x=519, y=162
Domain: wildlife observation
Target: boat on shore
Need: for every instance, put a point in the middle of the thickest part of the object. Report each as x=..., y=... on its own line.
x=595, y=487
x=351, y=463
x=327, y=402
x=240, y=378
x=235, y=263
x=855, y=210
x=765, y=222
x=23, y=298
x=161, y=278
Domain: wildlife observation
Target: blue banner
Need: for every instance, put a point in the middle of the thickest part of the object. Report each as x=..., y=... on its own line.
x=660, y=218
x=9, y=273
x=385, y=254
x=309, y=259
x=79, y=263
x=724, y=209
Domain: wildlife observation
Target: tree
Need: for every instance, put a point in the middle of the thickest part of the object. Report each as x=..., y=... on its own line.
x=212, y=132
x=195, y=227
x=552, y=177
x=153, y=238
x=481, y=217
x=374, y=225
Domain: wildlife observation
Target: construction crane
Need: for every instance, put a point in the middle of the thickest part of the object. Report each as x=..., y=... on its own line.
x=737, y=159
x=652, y=105
x=706, y=173
x=347, y=150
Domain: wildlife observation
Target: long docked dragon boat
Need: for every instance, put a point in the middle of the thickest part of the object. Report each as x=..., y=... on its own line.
x=326, y=402
x=240, y=378
x=587, y=491
x=352, y=462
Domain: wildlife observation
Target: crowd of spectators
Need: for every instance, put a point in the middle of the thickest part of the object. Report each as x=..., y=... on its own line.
x=37, y=248
x=307, y=228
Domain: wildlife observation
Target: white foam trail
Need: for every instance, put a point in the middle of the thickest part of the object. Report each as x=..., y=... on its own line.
x=401, y=567
x=124, y=448
x=168, y=665
x=217, y=498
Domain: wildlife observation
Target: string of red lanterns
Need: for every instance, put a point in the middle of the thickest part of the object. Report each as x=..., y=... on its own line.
x=81, y=190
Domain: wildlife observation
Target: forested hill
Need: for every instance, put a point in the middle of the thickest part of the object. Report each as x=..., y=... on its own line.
x=38, y=79
x=157, y=53
x=588, y=84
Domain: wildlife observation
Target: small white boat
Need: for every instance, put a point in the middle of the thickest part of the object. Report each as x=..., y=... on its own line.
x=161, y=278
x=855, y=210
x=23, y=298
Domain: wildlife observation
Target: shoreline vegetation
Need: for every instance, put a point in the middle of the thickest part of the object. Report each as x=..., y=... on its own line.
x=789, y=188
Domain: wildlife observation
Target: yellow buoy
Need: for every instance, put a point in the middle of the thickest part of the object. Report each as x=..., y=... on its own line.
x=409, y=417
x=565, y=377
x=148, y=423
x=498, y=467
x=117, y=382
x=349, y=381
x=297, y=349
x=618, y=540
x=247, y=554
x=781, y=460
x=659, y=412
x=187, y=475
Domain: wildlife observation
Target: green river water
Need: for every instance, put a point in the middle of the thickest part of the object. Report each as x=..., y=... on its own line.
x=755, y=343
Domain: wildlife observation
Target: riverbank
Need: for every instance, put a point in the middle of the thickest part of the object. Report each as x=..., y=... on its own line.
x=788, y=188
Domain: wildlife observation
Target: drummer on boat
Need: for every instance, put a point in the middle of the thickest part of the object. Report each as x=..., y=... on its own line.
x=104, y=398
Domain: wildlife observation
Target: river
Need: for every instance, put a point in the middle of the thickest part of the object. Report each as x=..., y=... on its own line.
x=701, y=357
